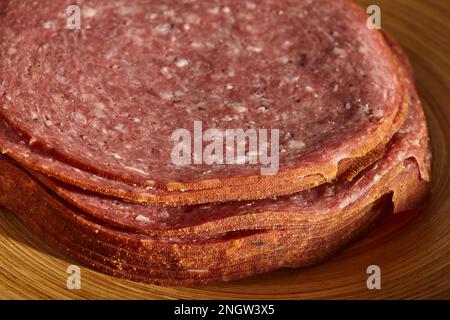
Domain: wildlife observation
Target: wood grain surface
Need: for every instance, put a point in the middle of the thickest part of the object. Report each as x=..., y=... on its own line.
x=412, y=250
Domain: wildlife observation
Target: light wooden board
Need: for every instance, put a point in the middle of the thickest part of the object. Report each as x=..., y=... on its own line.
x=412, y=251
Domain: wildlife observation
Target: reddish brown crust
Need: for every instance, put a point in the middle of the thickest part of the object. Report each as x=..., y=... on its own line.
x=250, y=220
x=109, y=251
x=298, y=255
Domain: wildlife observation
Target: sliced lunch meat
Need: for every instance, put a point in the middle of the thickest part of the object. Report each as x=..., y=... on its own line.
x=283, y=213
x=92, y=93
x=106, y=98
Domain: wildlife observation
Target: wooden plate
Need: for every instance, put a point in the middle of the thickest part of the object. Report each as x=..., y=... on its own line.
x=413, y=251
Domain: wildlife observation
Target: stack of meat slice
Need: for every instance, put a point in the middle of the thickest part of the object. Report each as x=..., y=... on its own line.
x=87, y=116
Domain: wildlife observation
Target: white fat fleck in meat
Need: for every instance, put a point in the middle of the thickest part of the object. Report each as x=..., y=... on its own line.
x=309, y=89
x=246, y=16
x=117, y=156
x=100, y=105
x=250, y=5
x=226, y=10
x=120, y=127
x=404, y=130
x=336, y=88
x=136, y=170
x=48, y=25
x=142, y=218
x=212, y=97
x=48, y=123
x=341, y=53
x=58, y=98
x=169, y=13
x=165, y=71
x=166, y=95
x=378, y=113
x=163, y=28
x=164, y=214
x=179, y=93
x=261, y=109
x=286, y=45
x=291, y=79
x=365, y=108
x=12, y=51
x=238, y=107
x=100, y=114
x=401, y=156
x=230, y=86
x=88, y=12
x=296, y=144
x=153, y=16
x=181, y=63
x=376, y=178
x=78, y=117
x=348, y=105
x=283, y=59
x=213, y=10
x=186, y=27
x=363, y=49
x=250, y=28
x=34, y=115
x=254, y=49
x=197, y=45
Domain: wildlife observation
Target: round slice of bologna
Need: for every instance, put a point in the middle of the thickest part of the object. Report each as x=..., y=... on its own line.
x=108, y=95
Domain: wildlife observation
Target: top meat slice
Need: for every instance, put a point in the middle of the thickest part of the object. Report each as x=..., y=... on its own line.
x=107, y=97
